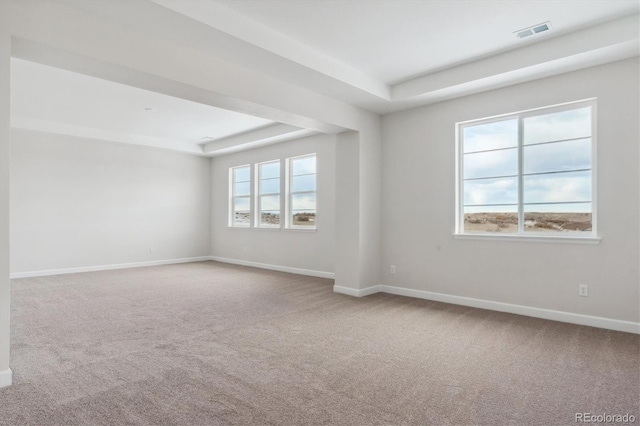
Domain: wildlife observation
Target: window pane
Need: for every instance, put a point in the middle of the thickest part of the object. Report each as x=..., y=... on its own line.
x=303, y=202
x=270, y=170
x=575, y=123
x=558, y=217
x=270, y=202
x=242, y=174
x=303, y=165
x=491, y=219
x=491, y=164
x=491, y=191
x=557, y=187
x=304, y=218
x=558, y=156
x=241, y=211
x=303, y=183
x=270, y=186
x=242, y=188
x=499, y=134
x=269, y=218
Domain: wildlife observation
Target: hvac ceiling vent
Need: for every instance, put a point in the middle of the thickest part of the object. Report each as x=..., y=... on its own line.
x=536, y=29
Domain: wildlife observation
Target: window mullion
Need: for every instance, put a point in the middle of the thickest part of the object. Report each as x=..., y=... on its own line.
x=520, y=175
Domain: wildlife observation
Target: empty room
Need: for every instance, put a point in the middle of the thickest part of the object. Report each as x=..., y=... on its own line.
x=337, y=212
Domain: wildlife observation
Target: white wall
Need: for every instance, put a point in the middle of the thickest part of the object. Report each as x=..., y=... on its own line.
x=101, y=44
x=81, y=203
x=91, y=39
x=310, y=250
x=5, y=188
x=419, y=202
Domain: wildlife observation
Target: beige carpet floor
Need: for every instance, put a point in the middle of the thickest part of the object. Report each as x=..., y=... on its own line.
x=208, y=343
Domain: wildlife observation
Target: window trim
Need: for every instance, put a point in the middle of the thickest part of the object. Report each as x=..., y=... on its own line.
x=289, y=193
x=258, y=196
x=522, y=235
x=232, y=196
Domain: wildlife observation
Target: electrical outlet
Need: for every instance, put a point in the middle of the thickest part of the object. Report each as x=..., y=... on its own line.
x=392, y=269
x=583, y=290
x=152, y=250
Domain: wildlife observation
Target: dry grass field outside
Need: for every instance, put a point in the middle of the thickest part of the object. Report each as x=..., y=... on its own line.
x=533, y=222
x=299, y=219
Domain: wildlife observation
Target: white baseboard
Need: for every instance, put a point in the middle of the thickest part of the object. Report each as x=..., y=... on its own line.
x=356, y=292
x=106, y=267
x=599, y=322
x=6, y=378
x=299, y=271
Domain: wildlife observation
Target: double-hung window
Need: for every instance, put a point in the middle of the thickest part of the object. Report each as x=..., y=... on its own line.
x=301, y=191
x=240, y=200
x=268, y=194
x=528, y=173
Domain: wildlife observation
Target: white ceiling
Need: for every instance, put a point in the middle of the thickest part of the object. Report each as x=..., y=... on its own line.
x=379, y=55
x=389, y=55
x=48, y=98
x=395, y=40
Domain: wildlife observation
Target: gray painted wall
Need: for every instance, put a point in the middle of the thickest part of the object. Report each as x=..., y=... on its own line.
x=419, y=203
x=291, y=248
x=79, y=202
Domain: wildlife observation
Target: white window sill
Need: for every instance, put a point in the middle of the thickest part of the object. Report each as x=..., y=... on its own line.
x=257, y=228
x=568, y=239
x=300, y=229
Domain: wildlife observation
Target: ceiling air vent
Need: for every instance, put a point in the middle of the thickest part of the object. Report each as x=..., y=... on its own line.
x=536, y=29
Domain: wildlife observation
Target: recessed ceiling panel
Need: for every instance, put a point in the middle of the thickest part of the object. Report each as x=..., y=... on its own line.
x=53, y=95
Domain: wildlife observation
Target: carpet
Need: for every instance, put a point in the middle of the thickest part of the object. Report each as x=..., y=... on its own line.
x=209, y=343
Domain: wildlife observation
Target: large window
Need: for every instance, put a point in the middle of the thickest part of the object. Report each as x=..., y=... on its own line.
x=240, y=196
x=301, y=200
x=268, y=194
x=528, y=173
x=265, y=210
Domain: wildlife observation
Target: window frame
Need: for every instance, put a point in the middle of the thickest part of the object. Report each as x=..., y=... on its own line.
x=522, y=234
x=289, y=194
x=258, y=195
x=232, y=197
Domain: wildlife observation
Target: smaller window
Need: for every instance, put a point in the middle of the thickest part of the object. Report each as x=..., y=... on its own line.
x=301, y=200
x=268, y=194
x=240, y=200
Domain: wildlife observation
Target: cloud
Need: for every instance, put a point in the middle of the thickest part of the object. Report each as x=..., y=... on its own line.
x=491, y=164
x=270, y=186
x=303, y=202
x=270, y=202
x=560, y=187
x=242, y=174
x=242, y=188
x=491, y=191
x=558, y=156
x=303, y=165
x=575, y=123
x=270, y=170
x=303, y=183
x=488, y=170
x=499, y=134
x=241, y=204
